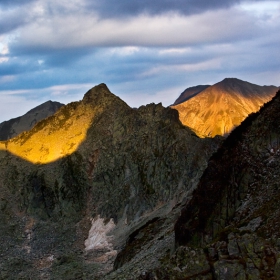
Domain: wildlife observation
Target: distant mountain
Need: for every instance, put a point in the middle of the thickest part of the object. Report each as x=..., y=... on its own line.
x=189, y=93
x=218, y=109
x=13, y=127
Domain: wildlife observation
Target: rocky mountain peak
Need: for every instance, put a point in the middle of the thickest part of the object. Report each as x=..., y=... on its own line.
x=94, y=192
x=230, y=80
x=61, y=134
x=221, y=107
x=48, y=105
x=100, y=93
x=235, y=206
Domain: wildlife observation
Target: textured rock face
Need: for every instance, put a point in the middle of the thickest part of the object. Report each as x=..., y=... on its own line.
x=237, y=202
x=13, y=127
x=220, y=108
x=95, y=169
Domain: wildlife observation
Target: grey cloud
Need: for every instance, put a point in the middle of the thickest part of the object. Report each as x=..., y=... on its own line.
x=112, y=8
x=11, y=3
x=12, y=18
x=8, y=24
x=52, y=57
x=16, y=67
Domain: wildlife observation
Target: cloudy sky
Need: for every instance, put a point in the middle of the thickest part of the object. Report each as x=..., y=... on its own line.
x=145, y=51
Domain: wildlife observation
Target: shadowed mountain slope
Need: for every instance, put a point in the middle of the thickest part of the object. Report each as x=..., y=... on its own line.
x=189, y=93
x=221, y=107
x=13, y=127
x=86, y=179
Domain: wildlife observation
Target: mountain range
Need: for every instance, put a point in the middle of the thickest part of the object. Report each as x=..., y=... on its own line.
x=218, y=109
x=99, y=190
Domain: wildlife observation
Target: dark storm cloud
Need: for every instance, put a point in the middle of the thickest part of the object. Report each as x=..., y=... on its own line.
x=112, y=8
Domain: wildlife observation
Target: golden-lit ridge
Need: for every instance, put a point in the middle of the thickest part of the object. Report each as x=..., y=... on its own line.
x=49, y=144
x=57, y=136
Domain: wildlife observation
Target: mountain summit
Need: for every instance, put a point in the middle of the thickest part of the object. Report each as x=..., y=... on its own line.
x=218, y=109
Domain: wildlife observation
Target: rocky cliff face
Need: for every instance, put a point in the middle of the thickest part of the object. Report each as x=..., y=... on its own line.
x=92, y=178
x=234, y=213
x=220, y=108
x=13, y=127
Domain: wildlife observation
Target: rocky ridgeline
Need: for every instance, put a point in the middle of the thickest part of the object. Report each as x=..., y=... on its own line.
x=189, y=93
x=70, y=217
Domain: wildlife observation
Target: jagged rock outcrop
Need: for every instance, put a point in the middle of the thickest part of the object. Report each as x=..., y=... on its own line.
x=78, y=186
x=13, y=127
x=220, y=108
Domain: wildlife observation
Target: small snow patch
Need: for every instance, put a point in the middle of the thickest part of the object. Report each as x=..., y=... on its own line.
x=97, y=237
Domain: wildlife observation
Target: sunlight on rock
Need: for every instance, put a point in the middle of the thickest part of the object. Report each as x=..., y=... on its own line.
x=53, y=138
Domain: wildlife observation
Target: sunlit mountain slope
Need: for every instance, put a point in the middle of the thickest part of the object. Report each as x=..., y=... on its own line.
x=221, y=107
x=55, y=137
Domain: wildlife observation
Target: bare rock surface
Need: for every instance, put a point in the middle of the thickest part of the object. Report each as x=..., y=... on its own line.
x=190, y=93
